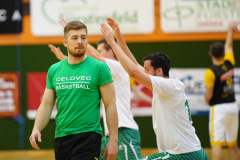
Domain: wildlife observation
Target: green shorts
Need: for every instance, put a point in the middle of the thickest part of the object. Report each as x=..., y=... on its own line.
x=197, y=155
x=129, y=144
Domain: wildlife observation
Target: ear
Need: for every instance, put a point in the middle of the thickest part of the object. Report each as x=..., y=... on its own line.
x=210, y=53
x=65, y=43
x=159, y=72
x=110, y=52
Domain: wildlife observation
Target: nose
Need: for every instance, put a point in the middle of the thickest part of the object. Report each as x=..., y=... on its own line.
x=79, y=41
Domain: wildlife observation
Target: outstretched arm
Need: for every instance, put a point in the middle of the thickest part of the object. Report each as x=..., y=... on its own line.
x=91, y=51
x=229, y=39
x=120, y=40
x=131, y=68
x=141, y=94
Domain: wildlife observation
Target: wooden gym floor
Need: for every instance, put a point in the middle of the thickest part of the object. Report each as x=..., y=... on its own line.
x=49, y=154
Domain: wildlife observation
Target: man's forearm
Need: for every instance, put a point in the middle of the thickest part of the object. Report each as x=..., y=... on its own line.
x=229, y=37
x=112, y=122
x=122, y=43
x=91, y=51
x=42, y=117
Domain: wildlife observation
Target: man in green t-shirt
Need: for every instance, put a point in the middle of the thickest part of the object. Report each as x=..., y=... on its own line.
x=78, y=83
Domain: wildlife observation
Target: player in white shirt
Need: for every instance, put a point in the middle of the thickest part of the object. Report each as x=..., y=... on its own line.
x=172, y=123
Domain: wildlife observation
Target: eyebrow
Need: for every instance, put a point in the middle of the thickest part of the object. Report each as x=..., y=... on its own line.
x=83, y=35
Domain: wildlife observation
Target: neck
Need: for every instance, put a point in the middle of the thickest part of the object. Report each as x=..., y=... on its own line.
x=216, y=60
x=76, y=60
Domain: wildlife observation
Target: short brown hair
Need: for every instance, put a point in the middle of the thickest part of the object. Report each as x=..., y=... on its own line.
x=217, y=49
x=102, y=40
x=73, y=25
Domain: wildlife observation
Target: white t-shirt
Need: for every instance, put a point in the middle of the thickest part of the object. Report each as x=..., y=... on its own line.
x=123, y=96
x=171, y=117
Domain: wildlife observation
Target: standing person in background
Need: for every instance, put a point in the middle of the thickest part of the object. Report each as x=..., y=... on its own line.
x=223, y=116
x=79, y=82
x=129, y=140
x=172, y=123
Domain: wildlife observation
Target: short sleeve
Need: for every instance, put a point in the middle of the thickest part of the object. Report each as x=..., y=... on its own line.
x=49, y=80
x=104, y=75
x=165, y=87
x=230, y=57
x=209, y=78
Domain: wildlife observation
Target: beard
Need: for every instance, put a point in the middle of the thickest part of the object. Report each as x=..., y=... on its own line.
x=77, y=54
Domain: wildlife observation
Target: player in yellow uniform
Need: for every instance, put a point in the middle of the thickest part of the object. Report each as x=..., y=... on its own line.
x=223, y=117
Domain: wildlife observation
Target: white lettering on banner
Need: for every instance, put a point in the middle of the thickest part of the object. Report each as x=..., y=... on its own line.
x=15, y=17
x=9, y=97
x=7, y=108
x=6, y=101
x=3, y=15
x=6, y=85
x=6, y=95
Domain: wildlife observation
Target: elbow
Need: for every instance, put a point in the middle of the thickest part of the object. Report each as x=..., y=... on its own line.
x=207, y=100
x=132, y=72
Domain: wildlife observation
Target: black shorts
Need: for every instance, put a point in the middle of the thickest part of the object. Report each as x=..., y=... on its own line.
x=82, y=146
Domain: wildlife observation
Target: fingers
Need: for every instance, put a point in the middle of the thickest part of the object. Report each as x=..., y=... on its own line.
x=32, y=140
x=52, y=47
x=110, y=21
x=39, y=138
x=104, y=27
x=111, y=156
x=63, y=22
x=104, y=153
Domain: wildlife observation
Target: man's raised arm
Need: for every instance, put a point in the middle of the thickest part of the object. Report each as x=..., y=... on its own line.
x=120, y=40
x=131, y=68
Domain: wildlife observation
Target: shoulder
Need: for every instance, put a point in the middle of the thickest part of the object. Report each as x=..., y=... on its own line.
x=94, y=61
x=57, y=65
x=175, y=82
x=230, y=57
x=166, y=86
x=209, y=71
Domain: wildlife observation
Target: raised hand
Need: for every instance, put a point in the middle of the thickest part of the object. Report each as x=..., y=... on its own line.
x=115, y=26
x=107, y=34
x=63, y=22
x=58, y=53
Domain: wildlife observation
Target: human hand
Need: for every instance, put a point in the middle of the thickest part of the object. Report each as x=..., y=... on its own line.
x=115, y=26
x=58, y=53
x=233, y=26
x=63, y=22
x=111, y=150
x=36, y=135
x=107, y=34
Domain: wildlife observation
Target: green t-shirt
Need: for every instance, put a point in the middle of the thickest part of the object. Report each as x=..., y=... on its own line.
x=78, y=95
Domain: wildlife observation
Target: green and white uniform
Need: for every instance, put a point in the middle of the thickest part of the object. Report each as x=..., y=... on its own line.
x=129, y=142
x=172, y=123
x=78, y=95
